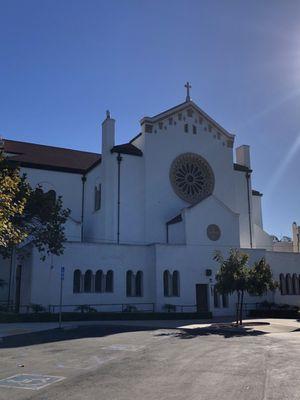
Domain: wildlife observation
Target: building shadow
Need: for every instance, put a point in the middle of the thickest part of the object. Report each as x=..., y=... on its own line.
x=64, y=334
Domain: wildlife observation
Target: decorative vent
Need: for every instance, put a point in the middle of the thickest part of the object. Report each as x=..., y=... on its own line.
x=213, y=232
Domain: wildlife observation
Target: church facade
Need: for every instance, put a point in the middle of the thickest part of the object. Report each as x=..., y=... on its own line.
x=146, y=220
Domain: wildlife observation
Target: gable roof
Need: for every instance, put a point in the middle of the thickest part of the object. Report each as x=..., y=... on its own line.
x=256, y=193
x=182, y=106
x=127, y=148
x=214, y=198
x=243, y=168
x=39, y=156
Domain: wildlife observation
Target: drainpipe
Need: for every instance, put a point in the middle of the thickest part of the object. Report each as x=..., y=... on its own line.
x=167, y=233
x=83, y=178
x=249, y=208
x=119, y=159
x=10, y=276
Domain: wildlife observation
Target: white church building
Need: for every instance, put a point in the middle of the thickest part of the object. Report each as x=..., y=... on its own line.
x=147, y=218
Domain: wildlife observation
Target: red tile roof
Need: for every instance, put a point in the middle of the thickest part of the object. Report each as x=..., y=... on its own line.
x=127, y=148
x=47, y=157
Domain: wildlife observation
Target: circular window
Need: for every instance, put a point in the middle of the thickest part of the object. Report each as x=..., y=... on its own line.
x=213, y=232
x=192, y=177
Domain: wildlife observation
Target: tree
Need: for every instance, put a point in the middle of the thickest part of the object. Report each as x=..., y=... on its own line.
x=14, y=194
x=235, y=275
x=28, y=214
x=260, y=278
x=232, y=277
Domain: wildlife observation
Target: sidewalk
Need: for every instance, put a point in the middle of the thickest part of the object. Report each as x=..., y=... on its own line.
x=266, y=325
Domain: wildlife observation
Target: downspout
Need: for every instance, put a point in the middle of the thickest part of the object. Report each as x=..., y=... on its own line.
x=119, y=159
x=249, y=208
x=10, y=276
x=83, y=178
x=167, y=233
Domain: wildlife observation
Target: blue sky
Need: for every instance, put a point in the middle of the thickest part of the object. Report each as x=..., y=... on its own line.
x=63, y=63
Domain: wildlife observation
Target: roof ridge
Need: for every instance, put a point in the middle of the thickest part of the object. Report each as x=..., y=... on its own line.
x=50, y=146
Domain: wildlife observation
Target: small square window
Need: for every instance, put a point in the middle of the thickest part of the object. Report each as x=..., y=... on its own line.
x=190, y=112
x=148, y=128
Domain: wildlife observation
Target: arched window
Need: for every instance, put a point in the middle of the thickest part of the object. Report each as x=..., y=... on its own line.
x=216, y=298
x=98, y=281
x=129, y=286
x=175, y=283
x=76, y=281
x=166, y=283
x=87, y=282
x=139, y=284
x=97, y=197
x=51, y=195
x=282, y=284
x=289, y=288
x=109, y=283
x=295, y=284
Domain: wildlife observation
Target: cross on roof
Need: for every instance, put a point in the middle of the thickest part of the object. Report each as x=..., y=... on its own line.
x=188, y=87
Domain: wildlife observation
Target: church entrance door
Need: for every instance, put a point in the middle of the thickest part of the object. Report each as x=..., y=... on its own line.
x=202, y=297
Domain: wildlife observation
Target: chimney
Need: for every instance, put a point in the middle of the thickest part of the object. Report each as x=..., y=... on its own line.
x=243, y=155
x=1, y=143
x=108, y=133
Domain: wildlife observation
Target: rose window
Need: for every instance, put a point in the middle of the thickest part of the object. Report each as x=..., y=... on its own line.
x=191, y=177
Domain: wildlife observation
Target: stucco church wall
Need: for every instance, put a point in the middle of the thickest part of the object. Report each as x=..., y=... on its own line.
x=160, y=149
x=257, y=211
x=176, y=233
x=132, y=200
x=67, y=185
x=93, y=220
x=242, y=206
x=86, y=256
x=284, y=263
x=261, y=238
x=211, y=211
x=26, y=276
x=191, y=262
x=4, y=275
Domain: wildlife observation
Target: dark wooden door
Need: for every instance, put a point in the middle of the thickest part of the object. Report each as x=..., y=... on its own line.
x=18, y=288
x=202, y=297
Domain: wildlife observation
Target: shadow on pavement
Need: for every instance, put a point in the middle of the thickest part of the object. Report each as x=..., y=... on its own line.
x=58, y=335
x=225, y=331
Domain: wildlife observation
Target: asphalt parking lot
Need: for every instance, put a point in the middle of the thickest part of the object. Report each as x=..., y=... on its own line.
x=125, y=363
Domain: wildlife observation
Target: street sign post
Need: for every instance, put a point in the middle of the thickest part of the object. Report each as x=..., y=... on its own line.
x=62, y=277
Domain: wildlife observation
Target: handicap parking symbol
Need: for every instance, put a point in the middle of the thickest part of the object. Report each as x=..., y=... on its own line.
x=30, y=381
